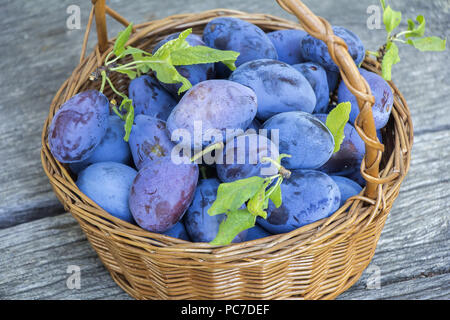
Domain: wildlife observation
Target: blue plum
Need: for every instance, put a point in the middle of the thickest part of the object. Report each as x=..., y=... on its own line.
x=150, y=98
x=347, y=187
x=108, y=184
x=161, y=193
x=380, y=136
x=79, y=126
x=304, y=137
x=178, y=231
x=308, y=196
x=384, y=99
x=242, y=158
x=288, y=44
x=356, y=176
x=255, y=125
x=317, y=78
x=333, y=80
x=316, y=50
x=226, y=33
x=149, y=140
x=112, y=148
x=349, y=156
x=217, y=105
x=278, y=87
x=200, y=226
x=256, y=233
x=194, y=73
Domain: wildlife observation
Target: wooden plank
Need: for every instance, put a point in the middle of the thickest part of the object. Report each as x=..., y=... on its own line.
x=34, y=265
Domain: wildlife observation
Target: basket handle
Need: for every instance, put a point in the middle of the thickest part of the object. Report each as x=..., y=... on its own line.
x=319, y=28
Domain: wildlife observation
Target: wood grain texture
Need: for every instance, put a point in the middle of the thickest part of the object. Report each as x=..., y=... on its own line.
x=413, y=250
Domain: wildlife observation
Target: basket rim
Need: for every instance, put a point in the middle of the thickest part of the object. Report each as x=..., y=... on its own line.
x=357, y=211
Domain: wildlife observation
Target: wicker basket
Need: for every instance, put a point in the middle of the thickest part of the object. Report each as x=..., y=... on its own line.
x=317, y=261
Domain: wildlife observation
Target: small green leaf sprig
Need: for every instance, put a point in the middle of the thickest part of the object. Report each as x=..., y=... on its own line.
x=336, y=121
x=173, y=53
x=388, y=54
x=244, y=200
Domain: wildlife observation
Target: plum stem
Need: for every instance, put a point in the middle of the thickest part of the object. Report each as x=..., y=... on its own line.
x=212, y=147
x=286, y=174
x=203, y=172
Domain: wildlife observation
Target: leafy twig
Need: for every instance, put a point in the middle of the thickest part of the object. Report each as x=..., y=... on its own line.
x=252, y=193
x=414, y=36
x=173, y=53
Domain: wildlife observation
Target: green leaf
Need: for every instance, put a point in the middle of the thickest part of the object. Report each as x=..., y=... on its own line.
x=231, y=196
x=167, y=48
x=235, y=222
x=414, y=31
x=428, y=43
x=127, y=104
x=257, y=204
x=391, y=19
x=275, y=195
x=336, y=121
x=122, y=38
x=130, y=73
x=390, y=58
x=203, y=54
x=167, y=73
x=383, y=4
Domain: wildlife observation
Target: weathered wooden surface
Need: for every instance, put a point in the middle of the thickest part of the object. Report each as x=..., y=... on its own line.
x=36, y=249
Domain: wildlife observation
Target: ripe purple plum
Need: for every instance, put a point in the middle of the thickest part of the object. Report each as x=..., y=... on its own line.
x=150, y=98
x=200, y=226
x=112, y=148
x=149, y=140
x=288, y=44
x=308, y=196
x=79, y=126
x=108, y=184
x=316, y=50
x=161, y=193
x=384, y=98
x=278, y=86
x=226, y=33
x=304, y=137
x=242, y=158
x=350, y=154
x=317, y=78
x=216, y=105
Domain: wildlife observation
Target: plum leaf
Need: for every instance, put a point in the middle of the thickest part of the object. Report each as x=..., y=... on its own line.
x=203, y=54
x=414, y=31
x=336, y=121
x=391, y=19
x=390, y=58
x=275, y=195
x=122, y=38
x=232, y=195
x=235, y=222
x=428, y=43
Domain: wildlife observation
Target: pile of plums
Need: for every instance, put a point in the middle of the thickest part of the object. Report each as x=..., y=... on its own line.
x=282, y=84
